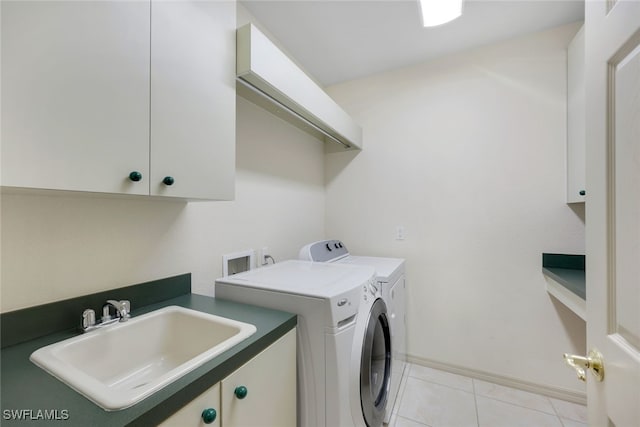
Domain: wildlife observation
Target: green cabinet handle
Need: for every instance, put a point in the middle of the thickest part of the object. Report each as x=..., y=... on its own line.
x=168, y=180
x=209, y=415
x=583, y=193
x=241, y=392
x=135, y=176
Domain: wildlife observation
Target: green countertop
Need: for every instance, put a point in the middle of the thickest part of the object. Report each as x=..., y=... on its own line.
x=26, y=387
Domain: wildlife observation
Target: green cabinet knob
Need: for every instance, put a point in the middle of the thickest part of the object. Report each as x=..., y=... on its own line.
x=168, y=180
x=135, y=176
x=582, y=193
x=209, y=415
x=241, y=392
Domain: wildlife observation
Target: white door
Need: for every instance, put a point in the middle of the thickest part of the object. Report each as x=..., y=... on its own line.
x=613, y=208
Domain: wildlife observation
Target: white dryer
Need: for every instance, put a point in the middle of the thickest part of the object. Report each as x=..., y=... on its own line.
x=331, y=301
x=391, y=278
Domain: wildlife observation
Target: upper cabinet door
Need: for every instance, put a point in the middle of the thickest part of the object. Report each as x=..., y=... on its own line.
x=75, y=95
x=193, y=99
x=576, y=120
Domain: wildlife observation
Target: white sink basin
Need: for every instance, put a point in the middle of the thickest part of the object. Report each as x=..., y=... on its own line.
x=121, y=364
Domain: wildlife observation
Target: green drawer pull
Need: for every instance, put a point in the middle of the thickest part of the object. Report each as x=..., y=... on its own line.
x=209, y=415
x=135, y=176
x=241, y=392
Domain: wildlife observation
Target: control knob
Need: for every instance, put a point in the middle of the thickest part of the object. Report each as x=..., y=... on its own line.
x=373, y=288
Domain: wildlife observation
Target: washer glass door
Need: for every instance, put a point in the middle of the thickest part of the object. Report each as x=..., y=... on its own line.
x=375, y=367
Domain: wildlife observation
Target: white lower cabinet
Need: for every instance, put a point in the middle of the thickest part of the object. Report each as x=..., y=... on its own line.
x=193, y=414
x=261, y=393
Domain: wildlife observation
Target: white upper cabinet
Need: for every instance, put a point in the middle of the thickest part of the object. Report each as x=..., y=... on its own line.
x=270, y=74
x=131, y=97
x=576, y=120
x=193, y=99
x=75, y=95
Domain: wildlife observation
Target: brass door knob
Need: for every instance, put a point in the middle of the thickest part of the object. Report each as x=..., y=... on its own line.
x=592, y=362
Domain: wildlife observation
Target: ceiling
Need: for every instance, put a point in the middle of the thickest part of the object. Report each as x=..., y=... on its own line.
x=339, y=40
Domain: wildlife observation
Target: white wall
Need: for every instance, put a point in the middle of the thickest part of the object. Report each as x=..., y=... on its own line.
x=56, y=247
x=468, y=154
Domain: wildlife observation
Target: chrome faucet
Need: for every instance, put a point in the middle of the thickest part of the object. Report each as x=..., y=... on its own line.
x=122, y=308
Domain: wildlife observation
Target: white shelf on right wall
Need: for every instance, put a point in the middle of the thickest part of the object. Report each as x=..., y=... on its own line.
x=565, y=277
x=572, y=301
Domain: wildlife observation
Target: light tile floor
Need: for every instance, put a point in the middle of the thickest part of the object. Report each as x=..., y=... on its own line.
x=433, y=398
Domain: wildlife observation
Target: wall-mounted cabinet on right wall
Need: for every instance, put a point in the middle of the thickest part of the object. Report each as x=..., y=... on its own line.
x=576, y=110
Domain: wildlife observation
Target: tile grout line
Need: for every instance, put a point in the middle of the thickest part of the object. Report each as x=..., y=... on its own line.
x=560, y=416
x=475, y=401
x=522, y=406
x=442, y=383
x=556, y=411
x=406, y=378
x=403, y=385
x=407, y=375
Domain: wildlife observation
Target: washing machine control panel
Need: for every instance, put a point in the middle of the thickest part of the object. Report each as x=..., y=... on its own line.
x=371, y=290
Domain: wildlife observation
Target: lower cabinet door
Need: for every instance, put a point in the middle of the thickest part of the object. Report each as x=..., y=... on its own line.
x=202, y=411
x=263, y=391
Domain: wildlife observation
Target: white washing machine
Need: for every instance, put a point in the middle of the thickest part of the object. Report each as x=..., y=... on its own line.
x=338, y=321
x=391, y=278
x=370, y=375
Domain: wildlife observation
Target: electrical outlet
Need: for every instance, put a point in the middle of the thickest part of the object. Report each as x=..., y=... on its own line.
x=262, y=258
x=401, y=233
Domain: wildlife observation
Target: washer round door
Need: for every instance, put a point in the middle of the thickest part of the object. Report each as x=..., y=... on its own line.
x=375, y=365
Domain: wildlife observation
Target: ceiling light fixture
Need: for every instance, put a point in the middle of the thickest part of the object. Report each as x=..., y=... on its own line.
x=438, y=12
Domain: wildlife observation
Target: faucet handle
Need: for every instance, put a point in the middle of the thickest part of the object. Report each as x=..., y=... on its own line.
x=88, y=319
x=126, y=305
x=106, y=313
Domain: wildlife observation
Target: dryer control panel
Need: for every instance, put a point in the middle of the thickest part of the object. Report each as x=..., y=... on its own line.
x=323, y=251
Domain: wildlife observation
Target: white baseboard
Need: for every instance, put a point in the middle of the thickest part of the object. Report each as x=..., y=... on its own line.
x=555, y=392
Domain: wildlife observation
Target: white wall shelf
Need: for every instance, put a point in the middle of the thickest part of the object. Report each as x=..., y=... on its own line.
x=572, y=301
x=269, y=74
